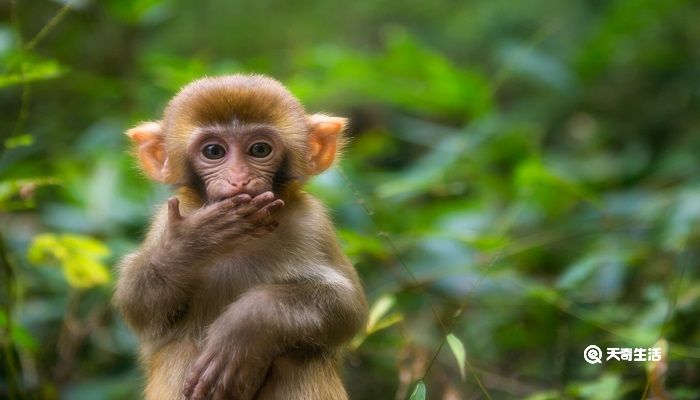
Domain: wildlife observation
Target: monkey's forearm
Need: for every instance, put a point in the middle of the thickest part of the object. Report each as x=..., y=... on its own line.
x=300, y=315
x=154, y=287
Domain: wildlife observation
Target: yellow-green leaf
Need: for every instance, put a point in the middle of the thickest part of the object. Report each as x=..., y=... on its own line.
x=79, y=257
x=378, y=310
x=85, y=245
x=419, y=392
x=46, y=248
x=19, y=141
x=386, y=322
x=33, y=72
x=458, y=350
x=84, y=272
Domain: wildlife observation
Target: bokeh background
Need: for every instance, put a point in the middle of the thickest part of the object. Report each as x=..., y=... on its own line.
x=522, y=182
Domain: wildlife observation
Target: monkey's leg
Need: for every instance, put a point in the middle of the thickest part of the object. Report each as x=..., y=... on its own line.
x=309, y=379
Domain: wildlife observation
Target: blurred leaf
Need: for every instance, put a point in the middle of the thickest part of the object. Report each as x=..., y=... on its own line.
x=19, y=141
x=458, y=350
x=357, y=244
x=23, y=339
x=620, y=27
x=521, y=58
x=545, y=395
x=379, y=309
x=419, y=392
x=82, y=244
x=433, y=86
x=138, y=11
x=608, y=387
x=486, y=242
x=23, y=190
x=684, y=221
x=551, y=192
x=427, y=171
x=172, y=72
x=33, y=71
x=19, y=335
x=85, y=272
x=386, y=322
x=78, y=256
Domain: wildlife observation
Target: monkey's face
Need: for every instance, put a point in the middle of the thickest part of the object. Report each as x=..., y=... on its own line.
x=236, y=159
x=228, y=135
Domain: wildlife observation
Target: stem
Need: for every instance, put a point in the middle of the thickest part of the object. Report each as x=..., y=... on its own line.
x=8, y=347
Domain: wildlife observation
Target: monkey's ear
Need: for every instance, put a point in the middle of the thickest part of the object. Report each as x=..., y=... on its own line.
x=149, y=142
x=324, y=141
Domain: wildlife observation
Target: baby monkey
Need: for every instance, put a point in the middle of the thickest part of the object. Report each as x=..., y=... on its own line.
x=240, y=290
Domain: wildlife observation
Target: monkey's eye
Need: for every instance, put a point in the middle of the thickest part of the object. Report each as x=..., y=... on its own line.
x=260, y=150
x=213, y=151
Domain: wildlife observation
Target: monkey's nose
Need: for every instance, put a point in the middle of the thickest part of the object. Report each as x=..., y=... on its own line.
x=241, y=184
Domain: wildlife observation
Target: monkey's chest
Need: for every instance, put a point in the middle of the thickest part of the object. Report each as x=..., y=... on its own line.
x=222, y=283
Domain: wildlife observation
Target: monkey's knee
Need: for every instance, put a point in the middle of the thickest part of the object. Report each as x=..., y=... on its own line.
x=292, y=379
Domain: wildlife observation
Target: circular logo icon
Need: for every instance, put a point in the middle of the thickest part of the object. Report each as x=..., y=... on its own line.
x=593, y=354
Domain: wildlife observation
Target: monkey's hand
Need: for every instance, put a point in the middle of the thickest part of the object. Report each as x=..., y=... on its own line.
x=233, y=363
x=219, y=223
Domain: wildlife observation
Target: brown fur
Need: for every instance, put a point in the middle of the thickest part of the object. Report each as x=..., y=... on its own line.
x=255, y=98
x=279, y=307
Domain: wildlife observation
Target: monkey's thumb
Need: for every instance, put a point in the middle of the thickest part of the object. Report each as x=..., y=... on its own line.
x=174, y=209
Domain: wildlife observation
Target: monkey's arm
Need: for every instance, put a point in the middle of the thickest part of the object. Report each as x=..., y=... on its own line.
x=272, y=320
x=156, y=282
x=304, y=315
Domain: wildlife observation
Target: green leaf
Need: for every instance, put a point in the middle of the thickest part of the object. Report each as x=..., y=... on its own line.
x=19, y=141
x=386, y=322
x=85, y=272
x=460, y=354
x=137, y=11
x=85, y=245
x=12, y=188
x=19, y=335
x=34, y=71
x=419, y=392
x=378, y=310
x=23, y=338
x=79, y=257
x=607, y=387
x=45, y=248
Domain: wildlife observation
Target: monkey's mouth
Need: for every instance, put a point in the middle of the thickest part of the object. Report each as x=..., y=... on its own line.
x=229, y=195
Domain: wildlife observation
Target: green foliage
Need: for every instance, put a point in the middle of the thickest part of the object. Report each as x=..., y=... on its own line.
x=18, y=334
x=521, y=182
x=457, y=348
x=418, y=392
x=78, y=256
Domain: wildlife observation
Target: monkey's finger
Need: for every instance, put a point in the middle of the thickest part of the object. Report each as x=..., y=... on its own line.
x=240, y=199
x=174, y=209
x=214, y=212
x=195, y=374
x=263, y=198
x=226, y=383
x=256, y=203
x=206, y=382
x=266, y=211
x=224, y=206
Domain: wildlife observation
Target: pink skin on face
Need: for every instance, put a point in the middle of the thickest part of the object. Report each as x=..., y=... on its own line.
x=236, y=160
